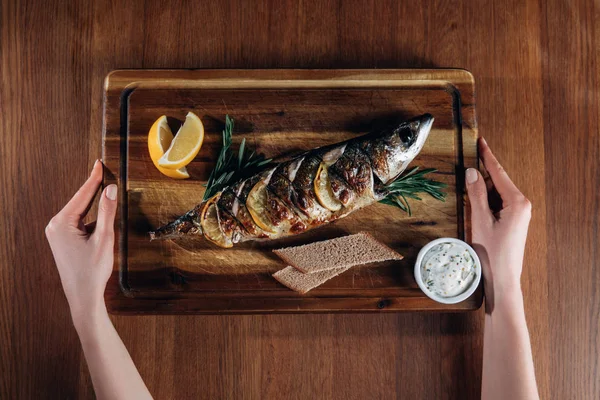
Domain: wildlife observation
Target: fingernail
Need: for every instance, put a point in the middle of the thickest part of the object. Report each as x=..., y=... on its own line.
x=471, y=176
x=111, y=192
x=483, y=141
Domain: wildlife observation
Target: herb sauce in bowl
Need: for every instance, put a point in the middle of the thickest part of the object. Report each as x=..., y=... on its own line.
x=448, y=269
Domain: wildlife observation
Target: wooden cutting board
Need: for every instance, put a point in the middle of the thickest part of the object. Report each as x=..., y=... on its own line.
x=279, y=112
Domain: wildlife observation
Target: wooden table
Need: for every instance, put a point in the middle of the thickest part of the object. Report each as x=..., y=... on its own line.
x=536, y=65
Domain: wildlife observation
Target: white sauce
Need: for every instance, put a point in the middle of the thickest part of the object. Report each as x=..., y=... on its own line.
x=448, y=269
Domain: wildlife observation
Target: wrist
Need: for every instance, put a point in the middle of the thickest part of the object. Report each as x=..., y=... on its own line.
x=86, y=318
x=504, y=294
x=508, y=299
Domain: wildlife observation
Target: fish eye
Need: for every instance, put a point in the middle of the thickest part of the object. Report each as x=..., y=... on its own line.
x=406, y=135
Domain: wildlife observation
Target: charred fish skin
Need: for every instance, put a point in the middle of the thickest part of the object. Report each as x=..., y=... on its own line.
x=230, y=226
x=359, y=170
x=303, y=195
x=247, y=187
x=280, y=208
x=237, y=206
x=305, y=198
x=355, y=168
x=341, y=189
x=240, y=211
x=281, y=184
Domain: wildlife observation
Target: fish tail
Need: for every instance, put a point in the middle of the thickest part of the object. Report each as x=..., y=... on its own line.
x=186, y=225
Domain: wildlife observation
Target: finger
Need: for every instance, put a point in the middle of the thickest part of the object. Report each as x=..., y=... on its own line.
x=107, y=209
x=480, y=209
x=79, y=203
x=504, y=185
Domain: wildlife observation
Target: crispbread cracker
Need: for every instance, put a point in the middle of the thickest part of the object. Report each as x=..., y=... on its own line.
x=302, y=283
x=342, y=252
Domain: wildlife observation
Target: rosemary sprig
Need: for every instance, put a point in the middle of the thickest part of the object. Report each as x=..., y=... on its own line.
x=408, y=185
x=232, y=166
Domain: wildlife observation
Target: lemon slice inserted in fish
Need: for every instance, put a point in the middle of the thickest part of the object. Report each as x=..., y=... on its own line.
x=209, y=221
x=256, y=204
x=159, y=140
x=323, y=190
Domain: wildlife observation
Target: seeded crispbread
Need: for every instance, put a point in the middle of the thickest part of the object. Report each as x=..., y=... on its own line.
x=301, y=282
x=339, y=253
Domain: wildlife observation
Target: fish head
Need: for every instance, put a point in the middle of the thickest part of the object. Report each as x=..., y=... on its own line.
x=411, y=137
x=392, y=150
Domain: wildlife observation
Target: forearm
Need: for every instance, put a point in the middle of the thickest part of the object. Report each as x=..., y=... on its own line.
x=508, y=371
x=113, y=372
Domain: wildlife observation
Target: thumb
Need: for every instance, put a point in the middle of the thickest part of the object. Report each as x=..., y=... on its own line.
x=477, y=191
x=107, y=209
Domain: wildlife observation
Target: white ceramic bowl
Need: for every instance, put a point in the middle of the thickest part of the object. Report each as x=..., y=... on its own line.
x=448, y=300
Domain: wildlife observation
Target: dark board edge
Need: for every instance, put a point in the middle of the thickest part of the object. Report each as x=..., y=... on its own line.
x=285, y=305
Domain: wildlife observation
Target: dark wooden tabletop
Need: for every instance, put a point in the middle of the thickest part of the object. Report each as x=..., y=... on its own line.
x=536, y=66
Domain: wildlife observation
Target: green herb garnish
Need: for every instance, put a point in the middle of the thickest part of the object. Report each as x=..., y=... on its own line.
x=231, y=166
x=408, y=185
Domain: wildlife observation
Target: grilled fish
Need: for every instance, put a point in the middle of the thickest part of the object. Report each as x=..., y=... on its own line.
x=312, y=189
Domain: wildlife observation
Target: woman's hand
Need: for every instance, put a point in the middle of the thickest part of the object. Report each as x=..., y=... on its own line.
x=500, y=217
x=84, y=257
x=84, y=253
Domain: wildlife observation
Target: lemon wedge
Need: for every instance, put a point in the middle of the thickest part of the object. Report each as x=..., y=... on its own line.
x=256, y=204
x=159, y=140
x=209, y=221
x=323, y=190
x=186, y=144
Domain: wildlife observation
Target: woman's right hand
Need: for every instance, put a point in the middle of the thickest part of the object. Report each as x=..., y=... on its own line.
x=499, y=235
x=84, y=253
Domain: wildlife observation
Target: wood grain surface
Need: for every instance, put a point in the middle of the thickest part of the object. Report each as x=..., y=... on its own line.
x=280, y=113
x=536, y=66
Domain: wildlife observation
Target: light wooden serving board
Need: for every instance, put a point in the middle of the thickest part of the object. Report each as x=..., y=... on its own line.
x=279, y=112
